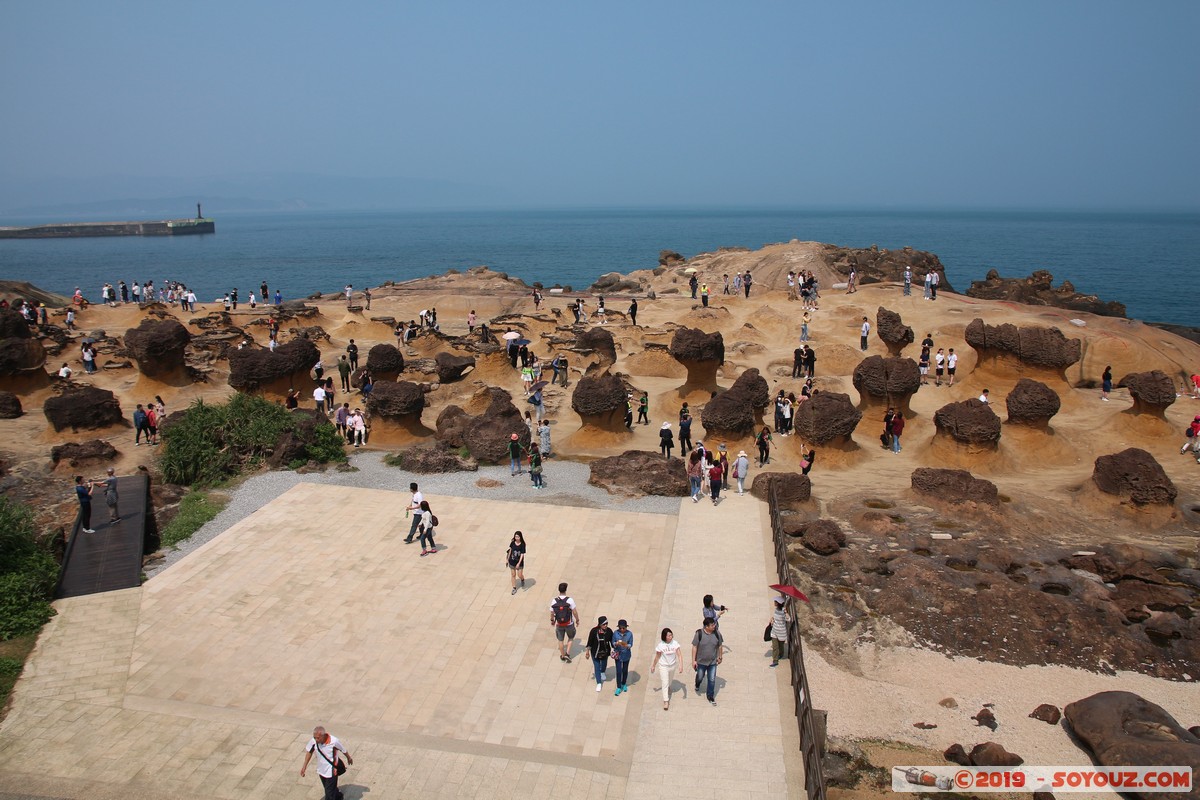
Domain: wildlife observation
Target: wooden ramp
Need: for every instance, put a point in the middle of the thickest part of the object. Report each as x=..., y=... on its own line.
x=110, y=558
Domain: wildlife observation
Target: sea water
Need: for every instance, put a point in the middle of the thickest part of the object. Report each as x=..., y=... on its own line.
x=1150, y=262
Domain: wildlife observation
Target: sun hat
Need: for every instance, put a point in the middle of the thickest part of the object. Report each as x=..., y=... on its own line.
x=741, y=453
x=514, y=437
x=665, y=425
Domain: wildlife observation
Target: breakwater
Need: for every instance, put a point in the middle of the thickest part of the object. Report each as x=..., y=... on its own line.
x=168, y=227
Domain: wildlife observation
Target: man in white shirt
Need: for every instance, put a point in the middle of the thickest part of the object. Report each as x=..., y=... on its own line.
x=939, y=361
x=319, y=396
x=866, y=331
x=951, y=365
x=414, y=509
x=326, y=748
x=65, y=373
x=983, y=398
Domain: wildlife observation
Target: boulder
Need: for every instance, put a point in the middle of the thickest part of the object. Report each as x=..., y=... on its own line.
x=990, y=754
x=957, y=754
x=1039, y=290
x=886, y=383
x=76, y=453
x=669, y=258
x=827, y=417
x=1122, y=729
x=892, y=331
x=452, y=425
x=601, y=402
x=451, y=368
x=396, y=400
x=158, y=347
x=384, y=362
x=22, y=357
x=971, y=422
x=1032, y=403
x=954, y=486
x=487, y=435
x=1136, y=475
x=985, y=718
x=639, y=473
x=735, y=412
x=435, y=460
x=1039, y=347
x=1047, y=713
x=253, y=370
x=790, y=487
x=702, y=354
x=10, y=406
x=1152, y=392
x=598, y=341
x=822, y=536
x=83, y=408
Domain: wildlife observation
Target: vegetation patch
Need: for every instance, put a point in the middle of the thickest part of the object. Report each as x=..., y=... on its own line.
x=195, y=509
x=875, y=502
x=28, y=573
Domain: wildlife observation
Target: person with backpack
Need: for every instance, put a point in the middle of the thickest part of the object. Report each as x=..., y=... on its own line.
x=141, y=426
x=428, y=523
x=535, y=468
x=329, y=765
x=897, y=429
x=564, y=616
x=763, y=441
x=514, y=455
x=716, y=477
x=1192, y=432
x=707, y=646
x=666, y=439
x=599, y=648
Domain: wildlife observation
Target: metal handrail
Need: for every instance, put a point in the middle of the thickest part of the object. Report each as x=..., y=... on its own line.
x=814, y=779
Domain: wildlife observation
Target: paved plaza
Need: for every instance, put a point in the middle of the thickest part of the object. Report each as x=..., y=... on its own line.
x=207, y=681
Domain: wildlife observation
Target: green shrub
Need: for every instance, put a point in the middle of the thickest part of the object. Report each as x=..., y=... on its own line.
x=28, y=573
x=394, y=459
x=328, y=445
x=195, y=509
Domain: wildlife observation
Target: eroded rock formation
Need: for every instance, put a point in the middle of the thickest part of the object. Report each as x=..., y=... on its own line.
x=970, y=422
x=954, y=486
x=735, y=412
x=892, y=331
x=827, y=418
x=1032, y=403
x=1028, y=347
x=1039, y=290
x=702, y=354
x=252, y=370
x=385, y=362
x=83, y=408
x=640, y=473
x=601, y=402
x=1152, y=392
x=1134, y=474
x=886, y=383
x=158, y=347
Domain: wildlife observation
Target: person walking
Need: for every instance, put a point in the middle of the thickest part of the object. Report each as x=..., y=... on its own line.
x=779, y=630
x=810, y=363
x=716, y=477
x=358, y=427
x=599, y=649
x=515, y=558
x=352, y=352
x=428, y=523
x=543, y=432
x=110, y=494
x=939, y=366
x=907, y=281
x=707, y=653
x=804, y=321
x=564, y=617
x=666, y=661
x=329, y=765
x=666, y=439
x=695, y=473
x=897, y=428
x=713, y=610
x=414, y=508
x=723, y=460
x=343, y=367
x=535, y=468
x=83, y=492
x=1106, y=383
x=514, y=455
x=704, y=294
x=685, y=433
x=319, y=397
x=747, y=280
x=622, y=643
x=951, y=364
x=633, y=311
x=643, y=416
x=763, y=440
x=741, y=466
x=864, y=333
x=141, y=426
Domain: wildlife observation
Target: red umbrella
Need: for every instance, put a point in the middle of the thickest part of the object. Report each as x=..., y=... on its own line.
x=790, y=591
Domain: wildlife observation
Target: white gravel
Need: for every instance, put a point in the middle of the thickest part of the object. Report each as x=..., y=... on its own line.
x=565, y=484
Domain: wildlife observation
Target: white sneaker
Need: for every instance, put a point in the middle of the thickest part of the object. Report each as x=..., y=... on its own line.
x=599, y=687
x=88, y=530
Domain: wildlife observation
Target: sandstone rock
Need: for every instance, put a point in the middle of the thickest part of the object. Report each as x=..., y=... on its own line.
x=1122, y=729
x=1152, y=392
x=83, y=408
x=435, y=460
x=826, y=417
x=732, y=413
x=158, y=347
x=487, y=435
x=261, y=370
x=887, y=382
x=823, y=536
x=21, y=355
x=10, y=406
x=1046, y=713
x=790, y=487
x=639, y=473
x=990, y=754
x=669, y=258
x=601, y=402
x=451, y=368
x=1036, y=346
x=956, y=754
x=1135, y=474
x=396, y=400
x=451, y=424
x=985, y=718
x=1038, y=290
x=384, y=362
x=875, y=265
x=1032, y=403
x=1137, y=601
x=701, y=353
x=954, y=486
x=970, y=422
x=599, y=341
x=892, y=331
x=76, y=453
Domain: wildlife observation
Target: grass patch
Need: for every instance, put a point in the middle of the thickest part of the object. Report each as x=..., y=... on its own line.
x=875, y=502
x=195, y=509
x=1004, y=498
x=12, y=660
x=947, y=525
x=394, y=459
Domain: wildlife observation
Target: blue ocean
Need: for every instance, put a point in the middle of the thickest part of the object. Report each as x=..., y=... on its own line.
x=1146, y=261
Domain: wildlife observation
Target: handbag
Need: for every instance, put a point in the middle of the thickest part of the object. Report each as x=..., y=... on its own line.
x=767, y=633
x=339, y=766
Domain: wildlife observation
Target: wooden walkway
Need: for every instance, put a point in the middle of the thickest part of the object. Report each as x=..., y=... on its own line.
x=110, y=558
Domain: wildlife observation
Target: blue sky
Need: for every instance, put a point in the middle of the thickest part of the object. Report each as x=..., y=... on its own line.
x=859, y=104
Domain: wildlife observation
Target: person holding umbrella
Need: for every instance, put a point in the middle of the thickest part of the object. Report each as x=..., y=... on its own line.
x=779, y=628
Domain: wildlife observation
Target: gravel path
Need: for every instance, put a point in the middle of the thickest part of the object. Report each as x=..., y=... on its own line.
x=566, y=484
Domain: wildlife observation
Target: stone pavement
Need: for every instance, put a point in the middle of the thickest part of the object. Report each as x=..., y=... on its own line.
x=206, y=681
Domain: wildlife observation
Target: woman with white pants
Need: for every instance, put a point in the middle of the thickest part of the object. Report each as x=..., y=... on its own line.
x=666, y=660
x=741, y=466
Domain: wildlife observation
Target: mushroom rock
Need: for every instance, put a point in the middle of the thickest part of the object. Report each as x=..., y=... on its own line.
x=887, y=382
x=823, y=536
x=22, y=357
x=970, y=422
x=487, y=434
x=790, y=487
x=735, y=412
x=451, y=368
x=1031, y=347
x=640, y=473
x=827, y=418
x=892, y=331
x=83, y=408
x=1032, y=403
x=10, y=406
x=954, y=486
x=1122, y=729
x=252, y=370
x=702, y=354
x=601, y=403
x=1152, y=392
x=598, y=341
x=395, y=408
x=159, y=348
x=1135, y=474
x=384, y=362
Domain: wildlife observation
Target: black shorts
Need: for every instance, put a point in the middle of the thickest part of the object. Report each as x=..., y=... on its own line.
x=951, y=370
x=940, y=370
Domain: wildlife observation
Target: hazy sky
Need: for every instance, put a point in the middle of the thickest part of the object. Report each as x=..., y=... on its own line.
x=923, y=104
